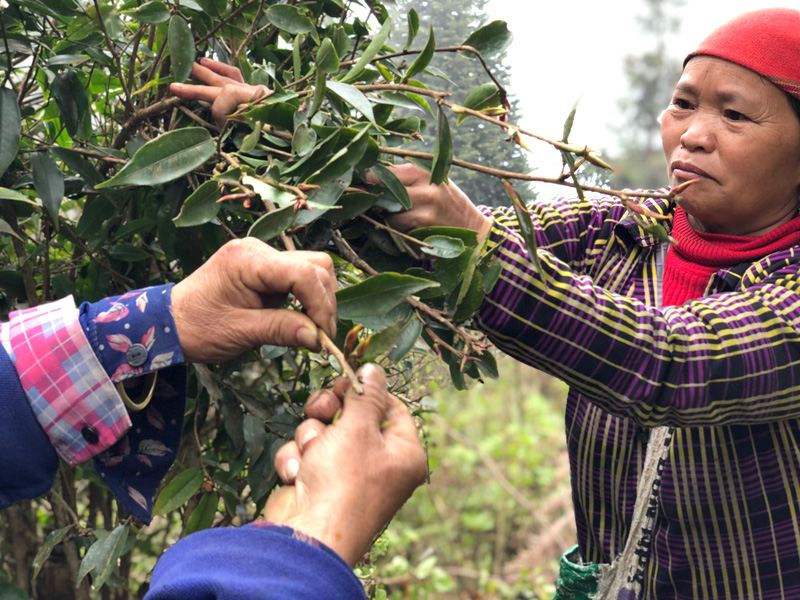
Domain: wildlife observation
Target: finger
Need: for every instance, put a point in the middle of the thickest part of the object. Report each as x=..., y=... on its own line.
x=230, y=98
x=201, y=72
x=287, y=461
x=187, y=91
x=372, y=405
x=223, y=69
x=307, y=432
x=313, y=283
x=323, y=406
x=280, y=327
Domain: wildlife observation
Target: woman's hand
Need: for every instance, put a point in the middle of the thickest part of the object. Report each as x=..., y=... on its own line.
x=224, y=88
x=349, y=479
x=433, y=205
x=234, y=301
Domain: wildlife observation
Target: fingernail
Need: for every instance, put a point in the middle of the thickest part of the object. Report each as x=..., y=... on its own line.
x=307, y=338
x=292, y=467
x=334, y=323
x=308, y=437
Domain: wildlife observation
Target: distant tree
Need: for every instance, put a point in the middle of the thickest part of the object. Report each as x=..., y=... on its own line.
x=651, y=78
x=474, y=141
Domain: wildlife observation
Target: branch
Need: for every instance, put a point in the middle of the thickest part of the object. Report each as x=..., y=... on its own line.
x=328, y=345
x=227, y=20
x=112, y=48
x=141, y=115
x=8, y=51
x=524, y=177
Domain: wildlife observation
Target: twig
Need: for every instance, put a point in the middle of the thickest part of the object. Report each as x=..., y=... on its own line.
x=9, y=70
x=395, y=232
x=112, y=48
x=251, y=33
x=524, y=177
x=141, y=115
x=327, y=343
x=227, y=20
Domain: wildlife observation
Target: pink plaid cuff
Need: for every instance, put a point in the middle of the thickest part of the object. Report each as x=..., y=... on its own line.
x=71, y=395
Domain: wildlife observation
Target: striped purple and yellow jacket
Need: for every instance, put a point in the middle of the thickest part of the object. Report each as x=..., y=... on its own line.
x=724, y=369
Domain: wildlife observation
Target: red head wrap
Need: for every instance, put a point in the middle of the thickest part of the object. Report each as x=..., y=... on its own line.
x=766, y=41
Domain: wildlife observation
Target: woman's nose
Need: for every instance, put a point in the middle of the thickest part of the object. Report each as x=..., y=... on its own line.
x=699, y=134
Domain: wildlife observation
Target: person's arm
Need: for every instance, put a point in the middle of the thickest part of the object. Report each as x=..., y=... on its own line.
x=64, y=363
x=725, y=359
x=346, y=481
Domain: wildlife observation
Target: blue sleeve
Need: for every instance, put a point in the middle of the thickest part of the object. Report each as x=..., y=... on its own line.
x=29, y=462
x=251, y=563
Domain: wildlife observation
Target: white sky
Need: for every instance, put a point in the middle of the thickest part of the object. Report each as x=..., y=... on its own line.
x=597, y=34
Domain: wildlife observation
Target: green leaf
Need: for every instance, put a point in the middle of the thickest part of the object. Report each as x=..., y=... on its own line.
x=303, y=140
x=215, y=8
x=296, y=58
x=10, y=128
x=354, y=97
x=166, y=158
x=76, y=163
x=407, y=339
x=101, y=558
x=341, y=41
x=153, y=12
x=5, y=228
x=443, y=246
x=97, y=212
x=53, y=539
x=344, y=160
x=392, y=184
x=467, y=236
x=413, y=28
x=569, y=122
x=389, y=340
x=202, y=516
x=424, y=58
x=48, y=183
x=178, y=491
x=327, y=60
x=181, y=48
x=272, y=224
x=201, y=207
x=443, y=155
x=290, y=19
x=6, y=194
x=372, y=50
x=73, y=102
x=378, y=295
x=526, y=229
x=320, y=89
x=128, y=253
x=481, y=97
x=490, y=39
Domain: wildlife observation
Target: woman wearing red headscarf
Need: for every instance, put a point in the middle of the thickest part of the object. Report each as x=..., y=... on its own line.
x=702, y=337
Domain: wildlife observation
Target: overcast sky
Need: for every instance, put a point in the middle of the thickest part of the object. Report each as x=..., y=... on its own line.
x=596, y=35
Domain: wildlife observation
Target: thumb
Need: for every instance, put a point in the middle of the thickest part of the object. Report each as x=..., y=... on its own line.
x=375, y=401
x=280, y=327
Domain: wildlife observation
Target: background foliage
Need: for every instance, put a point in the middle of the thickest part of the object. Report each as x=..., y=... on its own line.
x=107, y=183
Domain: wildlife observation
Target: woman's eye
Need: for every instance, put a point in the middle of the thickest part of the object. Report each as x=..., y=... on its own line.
x=681, y=103
x=735, y=115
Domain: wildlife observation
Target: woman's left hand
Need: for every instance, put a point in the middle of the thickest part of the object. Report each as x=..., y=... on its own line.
x=224, y=88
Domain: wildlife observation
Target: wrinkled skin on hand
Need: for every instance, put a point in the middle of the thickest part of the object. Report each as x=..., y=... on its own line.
x=434, y=205
x=348, y=479
x=236, y=300
x=222, y=86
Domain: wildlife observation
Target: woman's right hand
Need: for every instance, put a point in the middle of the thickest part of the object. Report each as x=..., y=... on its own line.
x=434, y=205
x=224, y=88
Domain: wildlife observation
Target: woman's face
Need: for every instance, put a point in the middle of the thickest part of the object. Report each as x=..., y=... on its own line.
x=738, y=135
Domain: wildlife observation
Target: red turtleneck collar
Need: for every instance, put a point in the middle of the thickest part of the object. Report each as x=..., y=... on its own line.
x=690, y=265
